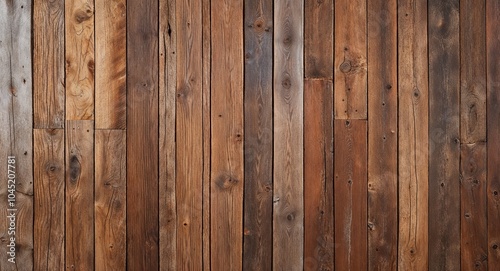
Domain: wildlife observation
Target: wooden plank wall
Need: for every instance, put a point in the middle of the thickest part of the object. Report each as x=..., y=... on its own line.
x=249, y=135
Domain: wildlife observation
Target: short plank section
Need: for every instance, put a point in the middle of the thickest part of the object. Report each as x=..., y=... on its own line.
x=318, y=39
x=79, y=195
x=79, y=36
x=444, y=135
x=318, y=175
x=288, y=158
x=110, y=200
x=49, y=170
x=48, y=64
x=110, y=64
x=350, y=195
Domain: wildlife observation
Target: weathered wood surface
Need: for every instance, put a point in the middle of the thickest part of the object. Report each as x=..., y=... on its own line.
x=318, y=39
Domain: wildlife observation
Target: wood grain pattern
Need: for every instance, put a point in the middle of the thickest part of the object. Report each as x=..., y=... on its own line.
x=474, y=229
x=444, y=133
x=413, y=136
x=382, y=135
x=318, y=39
x=493, y=124
x=189, y=136
x=142, y=135
x=110, y=67
x=79, y=59
x=227, y=135
x=288, y=172
x=48, y=64
x=49, y=209
x=110, y=200
x=318, y=175
x=258, y=212
x=350, y=195
x=167, y=158
x=79, y=194
x=350, y=71
x=15, y=136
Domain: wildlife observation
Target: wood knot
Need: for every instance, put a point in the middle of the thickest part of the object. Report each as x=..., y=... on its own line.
x=287, y=40
x=258, y=25
x=345, y=67
x=90, y=66
x=74, y=168
x=495, y=246
x=286, y=83
x=82, y=15
x=226, y=181
x=290, y=217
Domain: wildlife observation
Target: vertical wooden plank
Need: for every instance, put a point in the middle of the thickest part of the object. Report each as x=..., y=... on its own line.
x=167, y=89
x=110, y=200
x=48, y=64
x=189, y=135
x=49, y=170
x=15, y=136
x=474, y=231
x=318, y=39
x=207, y=64
x=79, y=36
x=288, y=212
x=142, y=135
x=80, y=195
x=493, y=124
x=350, y=195
x=444, y=145
x=110, y=67
x=350, y=60
x=227, y=135
x=258, y=212
x=413, y=135
x=318, y=175
x=382, y=135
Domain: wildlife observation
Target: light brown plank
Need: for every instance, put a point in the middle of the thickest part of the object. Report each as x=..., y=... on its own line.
x=48, y=64
x=79, y=195
x=167, y=158
x=318, y=39
x=350, y=72
x=79, y=36
x=110, y=200
x=189, y=135
x=413, y=141
x=49, y=208
x=227, y=135
x=318, y=175
x=288, y=173
x=110, y=64
x=16, y=118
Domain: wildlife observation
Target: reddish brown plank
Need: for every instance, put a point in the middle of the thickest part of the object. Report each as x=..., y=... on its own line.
x=318, y=175
x=142, y=135
x=49, y=170
x=226, y=194
x=79, y=195
x=318, y=39
x=350, y=195
x=493, y=124
x=110, y=200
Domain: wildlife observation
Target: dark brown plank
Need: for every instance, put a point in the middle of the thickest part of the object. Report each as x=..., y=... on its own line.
x=413, y=135
x=142, y=135
x=382, y=135
x=318, y=175
x=110, y=67
x=167, y=89
x=474, y=232
x=79, y=195
x=49, y=170
x=227, y=181
x=318, y=39
x=288, y=156
x=189, y=135
x=350, y=71
x=258, y=212
x=110, y=200
x=493, y=107
x=48, y=64
x=444, y=135
x=350, y=195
